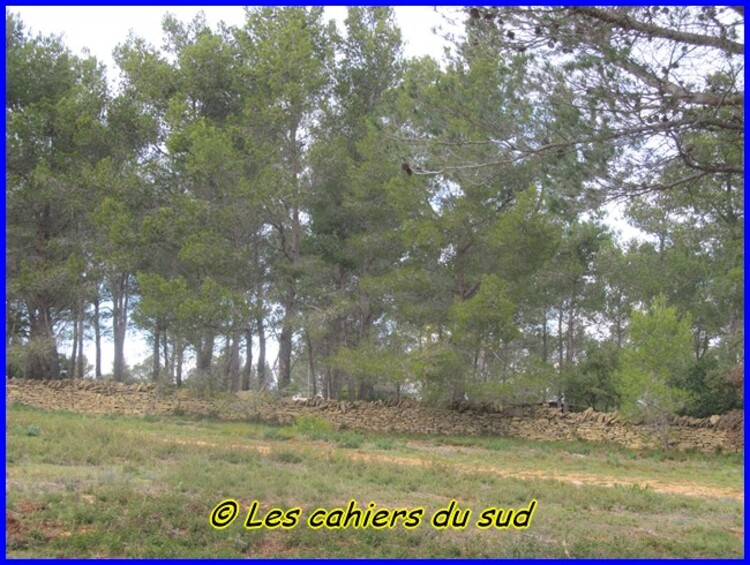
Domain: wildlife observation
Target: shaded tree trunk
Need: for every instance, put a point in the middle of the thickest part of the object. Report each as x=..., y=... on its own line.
x=285, y=341
x=570, y=336
x=262, y=384
x=312, y=388
x=232, y=371
x=179, y=350
x=544, y=338
x=458, y=383
x=328, y=383
x=458, y=390
x=9, y=330
x=662, y=425
x=74, y=352
x=79, y=364
x=42, y=360
x=335, y=389
x=168, y=367
x=205, y=351
x=155, y=355
x=560, y=338
x=366, y=391
x=119, y=287
x=291, y=249
x=97, y=340
x=247, y=371
x=734, y=328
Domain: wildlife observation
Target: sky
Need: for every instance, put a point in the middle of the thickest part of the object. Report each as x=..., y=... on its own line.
x=99, y=29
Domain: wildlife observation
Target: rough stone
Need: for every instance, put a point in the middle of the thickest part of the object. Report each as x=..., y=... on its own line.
x=397, y=416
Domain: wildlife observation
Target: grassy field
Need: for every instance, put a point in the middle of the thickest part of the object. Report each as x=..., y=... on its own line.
x=114, y=486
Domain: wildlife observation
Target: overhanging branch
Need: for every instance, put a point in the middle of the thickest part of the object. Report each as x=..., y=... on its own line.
x=628, y=23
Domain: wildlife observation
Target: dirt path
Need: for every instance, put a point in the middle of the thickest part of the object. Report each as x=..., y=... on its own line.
x=578, y=479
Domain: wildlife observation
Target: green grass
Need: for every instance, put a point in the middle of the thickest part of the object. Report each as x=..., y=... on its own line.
x=114, y=486
x=312, y=427
x=611, y=459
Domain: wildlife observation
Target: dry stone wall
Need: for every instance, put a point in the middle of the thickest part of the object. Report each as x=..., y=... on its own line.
x=402, y=416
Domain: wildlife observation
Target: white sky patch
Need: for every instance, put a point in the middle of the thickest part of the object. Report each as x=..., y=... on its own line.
x=615, y=220
x=99, y=29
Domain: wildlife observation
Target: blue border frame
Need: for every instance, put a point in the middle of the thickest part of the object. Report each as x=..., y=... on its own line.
x=194, y=3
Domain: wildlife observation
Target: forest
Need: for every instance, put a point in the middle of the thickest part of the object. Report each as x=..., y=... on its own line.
x=436, y=228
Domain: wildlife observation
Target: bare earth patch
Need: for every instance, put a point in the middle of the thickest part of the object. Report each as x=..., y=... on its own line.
x=578, y=479
x=19, y=525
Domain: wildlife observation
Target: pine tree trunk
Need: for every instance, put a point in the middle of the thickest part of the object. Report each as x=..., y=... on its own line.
x=79, y=365
x=247, y=371
x=570, y=333
x=335, y=392
x=285, y=339
x=74, y=352
x=262, y=384
x=312, y=388
x=179, y=349
x=9, y=331
x=544, y=338
x=285, y=356
x=120, y=297
x=155, y=355
x=42, y=361
x=168, y=367
x=205, y=355
x=328, y=383
x=663, y=425
x=233, y=362
x=561, y=358
x=291, y=249
x=97, y=340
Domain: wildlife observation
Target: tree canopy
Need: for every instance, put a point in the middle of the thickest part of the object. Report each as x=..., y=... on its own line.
x=395, y=225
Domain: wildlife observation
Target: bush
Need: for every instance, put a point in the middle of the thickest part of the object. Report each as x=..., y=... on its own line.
x=15, y=358
x=660, y=350
x=313, y=427
x=710, y=393
x=592, y=383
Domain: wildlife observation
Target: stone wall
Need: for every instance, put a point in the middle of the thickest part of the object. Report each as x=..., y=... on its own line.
x=404, y=416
